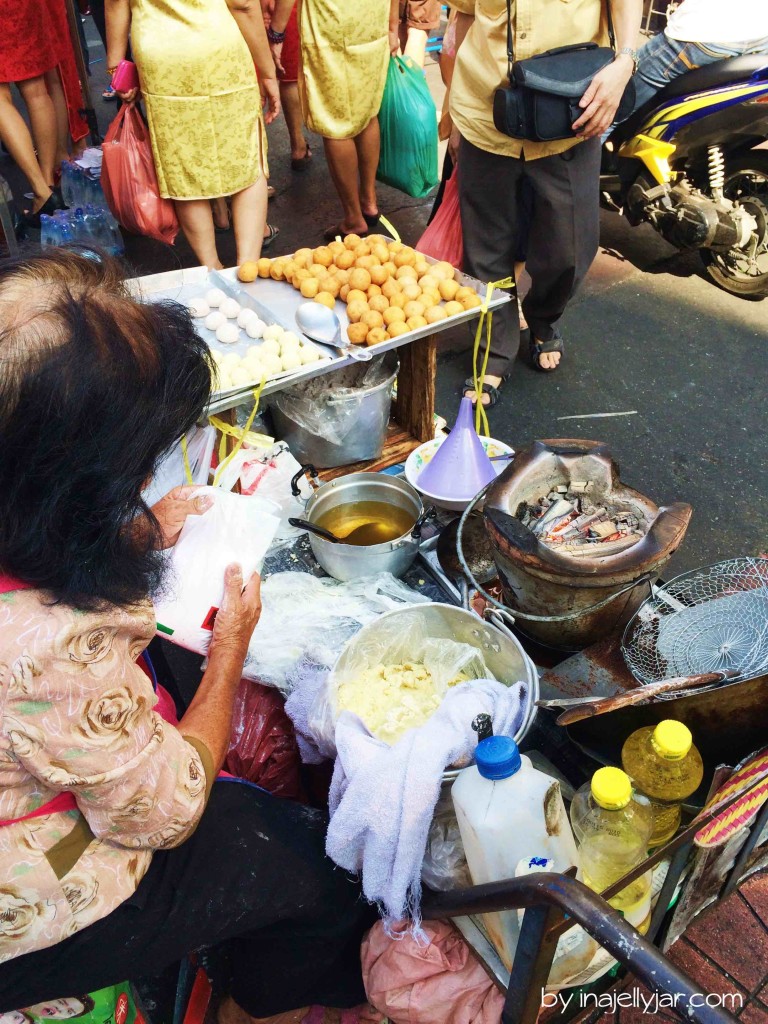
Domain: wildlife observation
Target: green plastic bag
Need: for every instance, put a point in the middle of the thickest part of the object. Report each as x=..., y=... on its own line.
x=111, y=1005
x=408, y=121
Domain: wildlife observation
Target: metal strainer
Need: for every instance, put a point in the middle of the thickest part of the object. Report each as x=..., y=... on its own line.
x=708, y=620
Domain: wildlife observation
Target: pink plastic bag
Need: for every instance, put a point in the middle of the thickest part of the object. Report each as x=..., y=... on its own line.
x=443, y=238
x=129, y=179
x=440, y=983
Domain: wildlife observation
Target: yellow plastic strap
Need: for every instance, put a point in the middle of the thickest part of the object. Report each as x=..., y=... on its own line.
x=185, y=454
x=241, y=433
x=390, y=228
x=486, y=319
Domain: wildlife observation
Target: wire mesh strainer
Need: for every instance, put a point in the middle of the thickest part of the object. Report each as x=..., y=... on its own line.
x=712, y=619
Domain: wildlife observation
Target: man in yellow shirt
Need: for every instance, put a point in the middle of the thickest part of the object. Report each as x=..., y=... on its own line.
x=562, y=175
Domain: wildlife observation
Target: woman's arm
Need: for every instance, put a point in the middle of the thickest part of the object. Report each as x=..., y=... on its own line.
x=250, y=21
x=118, y=16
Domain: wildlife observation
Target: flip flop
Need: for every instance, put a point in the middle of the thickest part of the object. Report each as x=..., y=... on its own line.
x=536, y=348
x=302, y=163
x=269, y=238
x=494, y=394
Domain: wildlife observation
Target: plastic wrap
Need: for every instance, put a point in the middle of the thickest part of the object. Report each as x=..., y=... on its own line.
x=263, y=745
x=307, y=620
x=445, y=865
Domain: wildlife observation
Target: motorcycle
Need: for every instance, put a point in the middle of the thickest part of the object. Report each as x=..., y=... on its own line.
x=686, y=163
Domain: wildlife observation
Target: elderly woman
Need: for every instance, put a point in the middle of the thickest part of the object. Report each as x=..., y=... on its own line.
x=118, y=853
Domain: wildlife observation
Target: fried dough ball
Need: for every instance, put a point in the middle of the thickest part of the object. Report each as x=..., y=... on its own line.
x=318, y=270
x=330, y=285
x=411, y=291
x=355, y=310
x=472, y=301
x=289, y=269
x=301, y=275
x=406, y=257
x=372, y=319
x=392, y=315
x=429, y=281
x=395, y=247
x=448, y=289
x=342, y=276
x=414, y=308
x=355, y=294
x=352, y=241
x=336, y=247
x=413, y=323
x=452, y=308
x=322, y=255
x=360, y=278
x=304, y=254
x=344, y=292
x=325, y=299
x=434, y=314
x=374, y=289
x=421, y=266
x=378, y=274
x=263, y=266
x=376, y=336
x=390, y=267
x=357, y=333
x=398, y=300
x=379, y=303
x=277, y=270
x=366, y=262
x=443, y=269
x=309, y=288
x=396, y=329
x=378, y=249
x=248, y=272
x=464, y=292
x=345, y=260
x=406, y=270
x=430, y=297
x=390, y=287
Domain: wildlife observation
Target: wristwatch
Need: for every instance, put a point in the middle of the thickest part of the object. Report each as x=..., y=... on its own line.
x=630, y=53
x=275, y=37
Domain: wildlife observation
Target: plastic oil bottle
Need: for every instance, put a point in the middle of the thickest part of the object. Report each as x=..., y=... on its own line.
x=612, y=829
x=509, y=811
x=666, y=767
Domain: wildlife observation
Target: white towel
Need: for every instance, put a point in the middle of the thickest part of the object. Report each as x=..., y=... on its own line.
x=383, y=798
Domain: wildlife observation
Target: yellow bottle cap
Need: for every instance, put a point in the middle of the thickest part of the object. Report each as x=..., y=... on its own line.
x=611, y=788
x=672, y=740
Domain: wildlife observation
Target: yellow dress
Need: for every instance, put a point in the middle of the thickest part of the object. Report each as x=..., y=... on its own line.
x=344, y=60
x=201, y=95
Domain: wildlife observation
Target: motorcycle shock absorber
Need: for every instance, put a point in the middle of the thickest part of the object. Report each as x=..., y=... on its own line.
x=716, y=170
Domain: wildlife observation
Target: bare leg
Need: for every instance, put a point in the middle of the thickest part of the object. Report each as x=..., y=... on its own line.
x=220, y=212
x=42, y=119
x=368, y=145
x=289, y=97
x=55, y=91
x=416, y=45
x=15, y=135
x=196, y=219
x=519, y=268
x=342, y=158
x=249, y=214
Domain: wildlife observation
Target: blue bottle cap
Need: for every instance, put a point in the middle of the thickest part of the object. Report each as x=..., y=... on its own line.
x=497, y=757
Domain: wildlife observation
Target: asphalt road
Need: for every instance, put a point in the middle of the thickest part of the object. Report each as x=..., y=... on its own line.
x=648, y=336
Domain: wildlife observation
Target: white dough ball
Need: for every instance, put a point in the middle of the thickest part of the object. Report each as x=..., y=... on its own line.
x=253, y=353
x=230, y=308
x=225, y=381
x=272, y=364
x=214, y=320
x=246, y=314
x=273, y=331
x=254, y=328
x=230, y=361
x=198, y=307
x=309, y=354
x=228, y=334
x=215, y=297
x=269, y=347
x=291, y=361
x=289, y=338
x=216, y=356
x=241, y=375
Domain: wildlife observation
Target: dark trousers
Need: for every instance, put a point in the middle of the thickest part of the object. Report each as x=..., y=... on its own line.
x=254, y=876
x=562, y=234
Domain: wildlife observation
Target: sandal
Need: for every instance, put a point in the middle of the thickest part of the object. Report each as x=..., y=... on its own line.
x=494, y=393
x=272, y=233
x=536, y=348
x=371, y=219
x=53, y=203
x=337, y=231
x=302, y=163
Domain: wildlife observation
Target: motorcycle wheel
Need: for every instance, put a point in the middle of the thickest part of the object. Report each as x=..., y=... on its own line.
x=744, y=272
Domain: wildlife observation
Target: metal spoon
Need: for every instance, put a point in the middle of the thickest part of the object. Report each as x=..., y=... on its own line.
x=321, y=324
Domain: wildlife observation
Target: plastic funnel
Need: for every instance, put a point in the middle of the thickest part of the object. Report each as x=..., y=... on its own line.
x=460, y=467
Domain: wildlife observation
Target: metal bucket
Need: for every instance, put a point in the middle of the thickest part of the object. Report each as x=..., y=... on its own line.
x=554, y=599
x=338, y=427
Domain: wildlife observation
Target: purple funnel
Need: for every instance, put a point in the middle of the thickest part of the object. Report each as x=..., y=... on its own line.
x=459, y=468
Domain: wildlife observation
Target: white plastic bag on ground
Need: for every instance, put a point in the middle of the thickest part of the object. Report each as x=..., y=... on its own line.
x=235, y=529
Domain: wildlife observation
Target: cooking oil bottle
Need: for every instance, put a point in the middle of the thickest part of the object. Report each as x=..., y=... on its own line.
x=666, y=767
x=612, y=829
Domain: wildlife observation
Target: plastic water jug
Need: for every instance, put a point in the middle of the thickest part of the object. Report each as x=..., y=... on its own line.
x=509, y=811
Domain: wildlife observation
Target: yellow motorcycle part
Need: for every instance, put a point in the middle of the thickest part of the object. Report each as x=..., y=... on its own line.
x=653, y=153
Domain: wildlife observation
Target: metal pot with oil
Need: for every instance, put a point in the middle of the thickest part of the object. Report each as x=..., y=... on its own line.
x=381, y=514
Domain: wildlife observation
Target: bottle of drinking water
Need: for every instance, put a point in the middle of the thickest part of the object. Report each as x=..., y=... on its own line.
x=47, y=230
x=67, y=181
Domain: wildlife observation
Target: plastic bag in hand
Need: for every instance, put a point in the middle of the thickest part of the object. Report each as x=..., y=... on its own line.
x=443, y=239
x=408, y=122
x=129, y=179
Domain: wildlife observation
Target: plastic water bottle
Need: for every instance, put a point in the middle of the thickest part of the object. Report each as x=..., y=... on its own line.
x=67, y=181
x=47, y=230
x=78, y=187
x=64, y=231
x=508, y=811
x=613, y=829
x=666, y=767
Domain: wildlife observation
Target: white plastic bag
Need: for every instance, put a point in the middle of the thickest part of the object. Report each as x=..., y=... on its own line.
x=445, y=863
x=171, y=472
x=235, y=529
x=307, y=620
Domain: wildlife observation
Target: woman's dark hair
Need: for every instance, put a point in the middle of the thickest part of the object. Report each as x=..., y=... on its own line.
x=95, y=387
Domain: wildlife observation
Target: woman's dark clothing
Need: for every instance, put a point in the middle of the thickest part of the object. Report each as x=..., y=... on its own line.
x=253, y=876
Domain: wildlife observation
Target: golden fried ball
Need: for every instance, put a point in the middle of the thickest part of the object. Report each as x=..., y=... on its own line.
x=248, y=271
x=392, y=315
x=352, y=241
x=263, y=266
x=430, y=297
x=390, y=267
x=357, y=333
x=376, y=335
x=345, y=260
x=344, y=292
x=444, y=268
x=372, y=319
x=336, y=247
x=303, y=254
x=429, y=281
x=277, y=270
x=289, y=269
x=390, y=287
x=405, y=258
x=472, y=301
x=406, y=270
x=415, y=322
x=396, y=329
x=360, y=278
x=363, y=249
x=325, y=299
x=322, y=255
x=421, y=266
x=395, y=247
x=378, y=249
x=398, y=300
x=355, y=310
x=366, y=262
x=379, y=303
x=414, y=308
x=411, y=290
x=453, y=307
x=372, y=290
x=330, y=285
x=342, y=276
x=378, y=274
x=299, y=276
x=355, y=294
x=434, y=314
x=464, y=292
x=448, y=289
x=309, y=287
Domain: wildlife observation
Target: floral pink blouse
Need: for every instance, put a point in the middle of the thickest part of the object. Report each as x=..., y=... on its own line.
x=76, y=715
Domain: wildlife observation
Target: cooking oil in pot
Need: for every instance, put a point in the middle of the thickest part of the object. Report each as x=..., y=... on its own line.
x=364, y=523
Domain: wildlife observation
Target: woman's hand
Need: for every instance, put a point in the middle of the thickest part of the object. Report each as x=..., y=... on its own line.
x=276, y=49
x=270, y=96
x=129, y=97
x=171, y=511
x=394, y=40
x=453, y=146
x=238, y=615
x=601, y=100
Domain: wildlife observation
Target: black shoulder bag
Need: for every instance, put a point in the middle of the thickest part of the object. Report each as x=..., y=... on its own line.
x=541, y=101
